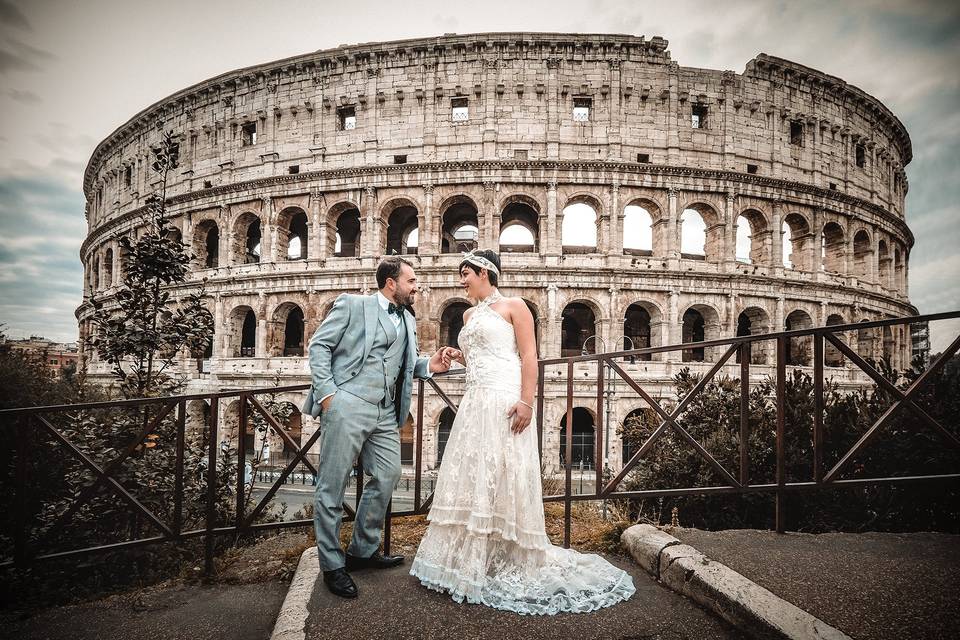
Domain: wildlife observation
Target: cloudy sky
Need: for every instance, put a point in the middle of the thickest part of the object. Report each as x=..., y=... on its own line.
x=71, y=72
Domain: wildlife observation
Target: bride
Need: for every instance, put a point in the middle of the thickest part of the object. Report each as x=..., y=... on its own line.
x=486, y=542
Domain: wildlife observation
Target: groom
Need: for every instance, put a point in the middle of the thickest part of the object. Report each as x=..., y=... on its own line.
x=363, y=359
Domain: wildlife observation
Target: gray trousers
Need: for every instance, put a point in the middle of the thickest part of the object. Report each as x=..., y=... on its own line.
x=353, y=427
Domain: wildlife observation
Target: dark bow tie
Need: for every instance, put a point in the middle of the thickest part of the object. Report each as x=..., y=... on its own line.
x=395, y=308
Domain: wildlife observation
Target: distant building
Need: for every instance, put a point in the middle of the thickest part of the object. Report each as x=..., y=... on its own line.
x=54, y=355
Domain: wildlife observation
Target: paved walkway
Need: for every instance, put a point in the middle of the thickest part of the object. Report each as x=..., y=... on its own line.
x=871, y=586
x=392, y=604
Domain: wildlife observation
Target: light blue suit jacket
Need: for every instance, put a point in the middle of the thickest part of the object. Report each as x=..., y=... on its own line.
x=342, y=343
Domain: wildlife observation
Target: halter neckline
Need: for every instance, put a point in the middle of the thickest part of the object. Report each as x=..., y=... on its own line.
x=495, y=296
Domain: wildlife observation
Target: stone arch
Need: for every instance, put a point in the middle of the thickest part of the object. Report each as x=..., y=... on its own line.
x=885, y=264
x=862, y=254
x=833, y=248
x=866, y=342
x=754, y=321
x=247, y=238
x=206, y=244
x=519, y=224
x=108, y=266
x=701, y=232
x=753, y=238
x=444, y=425
x=241, y=334
x=898, y=269
x=460, y=224
x=831, y=355
x=659, y=238
x=197, y=421
x=638, y=229
x=796, y=242
x=402, y=219
x=287, y=330
x=580, y=224
x=648, y=418
x=344, y=238
x=451, y=321
x=700, y=322
x=292, y=240
x=642, y=322
x=584, y=438
x=800, y=350
x=578, y=322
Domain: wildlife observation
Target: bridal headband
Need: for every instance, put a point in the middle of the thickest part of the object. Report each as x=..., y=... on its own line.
x=480, y=261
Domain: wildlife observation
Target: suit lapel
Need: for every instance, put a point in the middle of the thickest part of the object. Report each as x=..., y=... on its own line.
x=371, y=315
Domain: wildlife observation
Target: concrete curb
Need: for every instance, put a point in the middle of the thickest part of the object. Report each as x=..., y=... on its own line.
x=293, y=613
x=720, y=589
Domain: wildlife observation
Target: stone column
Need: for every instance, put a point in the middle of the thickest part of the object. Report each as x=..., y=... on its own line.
x=268, y=231
x=817, y=265
x=614, y=244
x=730, y=216
x=261, y=350
x=430, y=233
x=778, y=316
x=367, y=207
x=673, y=228
x=732, y=315
x=553, y=240
x=776, y=236
x=550, y=347
x=317, y=231
x=220, y=329
x=674, y=326
x=489, y=227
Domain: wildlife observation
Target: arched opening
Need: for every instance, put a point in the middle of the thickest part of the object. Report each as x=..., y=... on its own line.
x=108, y=267
x=898, y=270
x=345, y=242
x=289, y=317
x=401, y=225
x=451, y=323
x=865, y=343
x=701, y=234
x=638, y=326
x=96, y=273
x=578, y=230
x=700, y=322
x=884, y=261
x=796, y=242
x=637, y=427
x=799, y=351
x=754, y=321
x=292, y=238
x=577, y=323
x=862, y=254
x=443, y=431
x=831, y=355
x=832, y=250
x=584, y=438
x=247, y=238
x=519, y=227
x=889, y=346
x=206, y=244
x=637, y=231
x=461, y=226
x=197, y=421
x=753, y=238
x=242, y=336
x=248, y=336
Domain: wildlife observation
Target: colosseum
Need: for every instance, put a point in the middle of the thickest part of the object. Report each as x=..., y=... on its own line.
x=635, y=202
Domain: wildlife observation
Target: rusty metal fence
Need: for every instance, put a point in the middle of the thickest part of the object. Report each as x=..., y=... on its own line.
x=19, y=425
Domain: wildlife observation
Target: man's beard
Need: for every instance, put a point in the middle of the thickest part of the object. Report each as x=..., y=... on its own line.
x=404, y=300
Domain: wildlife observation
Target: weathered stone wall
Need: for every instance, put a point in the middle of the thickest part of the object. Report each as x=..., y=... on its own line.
x=779, y=144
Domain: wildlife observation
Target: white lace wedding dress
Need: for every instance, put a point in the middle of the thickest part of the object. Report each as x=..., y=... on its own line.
x=486, y=542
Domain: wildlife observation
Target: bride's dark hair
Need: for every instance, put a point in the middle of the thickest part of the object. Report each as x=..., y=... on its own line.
x=489, y=255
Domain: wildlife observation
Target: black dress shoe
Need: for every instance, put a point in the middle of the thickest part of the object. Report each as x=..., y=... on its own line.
x=340, y=583
x=376, y=561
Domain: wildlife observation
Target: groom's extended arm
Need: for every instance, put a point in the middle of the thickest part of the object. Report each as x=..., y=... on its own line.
x=421, y=369
x=321, y=348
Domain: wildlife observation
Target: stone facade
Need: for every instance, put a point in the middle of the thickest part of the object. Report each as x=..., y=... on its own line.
x=297, y=175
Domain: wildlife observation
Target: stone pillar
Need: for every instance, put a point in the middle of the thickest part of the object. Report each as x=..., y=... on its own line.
x=268, y=231
x=317, y=231
x=614, y=244
x=730, y=216
x=673, y=228
x=367, y=208
x=430, y=233
x=776, y=237
x=674, y=326
x=489, y=225
x=732, y=315
x=550, y=347
x=778, y=316
x=817, y=249
x=220, y=329
x=553, y=240
x=261, y=350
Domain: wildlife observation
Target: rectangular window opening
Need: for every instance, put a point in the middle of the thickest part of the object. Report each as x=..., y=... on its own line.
x=643, y=158
x=248, y=134
x=400, y=159
x=294, y=168
x=796, y=134
x=861, y=155
x=698, y=117
x=833, y=186
x=459, y=111
x=581, y=109
x=752, y=168
x=348, y=118
x=128, y=176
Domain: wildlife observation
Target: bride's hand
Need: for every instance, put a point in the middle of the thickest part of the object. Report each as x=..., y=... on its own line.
x=522, y=415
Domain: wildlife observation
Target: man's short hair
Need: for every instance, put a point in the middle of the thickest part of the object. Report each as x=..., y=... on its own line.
x=390, y=267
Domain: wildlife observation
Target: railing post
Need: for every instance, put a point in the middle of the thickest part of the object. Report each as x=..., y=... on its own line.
x=541, y=380
x=568, y=460
x=818, y=408
x=782, y=344
x=418, y=468
x=745, y=413
x=386, y=528
x=243, y=417
x=599, y=439
x=20, y=517
x=211, y=485
x=178, y=468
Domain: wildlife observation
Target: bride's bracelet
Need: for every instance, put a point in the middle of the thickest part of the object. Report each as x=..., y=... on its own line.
x=526, y=403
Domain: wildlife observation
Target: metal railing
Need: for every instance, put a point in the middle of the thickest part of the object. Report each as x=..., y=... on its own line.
x=156, y=410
